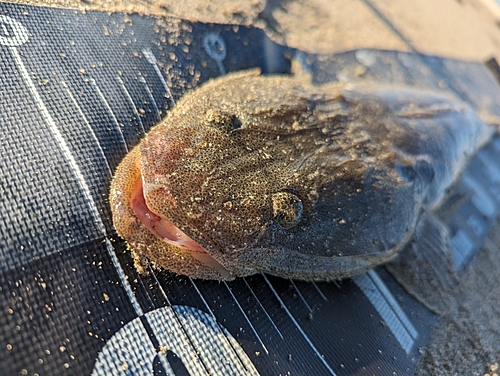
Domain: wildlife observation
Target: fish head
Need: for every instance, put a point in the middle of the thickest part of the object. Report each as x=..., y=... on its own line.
x=251, y=183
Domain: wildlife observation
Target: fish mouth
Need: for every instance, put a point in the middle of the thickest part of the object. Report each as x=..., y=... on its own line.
x=169, y=233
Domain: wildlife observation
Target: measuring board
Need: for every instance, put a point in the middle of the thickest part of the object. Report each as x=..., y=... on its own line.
x=77, y=92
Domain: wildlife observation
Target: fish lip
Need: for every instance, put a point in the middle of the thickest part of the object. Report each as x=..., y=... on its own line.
x=165, y=230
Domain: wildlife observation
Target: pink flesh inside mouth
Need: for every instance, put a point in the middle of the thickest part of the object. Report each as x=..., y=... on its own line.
x=168, y=232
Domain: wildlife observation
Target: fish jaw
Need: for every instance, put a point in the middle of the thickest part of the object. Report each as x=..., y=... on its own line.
x=152, y=235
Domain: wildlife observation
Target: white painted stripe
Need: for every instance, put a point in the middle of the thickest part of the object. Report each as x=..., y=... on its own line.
x=19, y=36
x=318, y=354
x=106, y=104
x=301, y=296
x=209, y=311
x=159, y=286
x=131, y=101
x=150, y=94
x=388, y=309
x=263, y=309
x=110, y=173
x=393, y=303
x=152, y=60
x=319, y=291
x=224, y=330
x=462, y=247
x=337, y=285
x=246, y=318
x=481, y=199
x=123, y=278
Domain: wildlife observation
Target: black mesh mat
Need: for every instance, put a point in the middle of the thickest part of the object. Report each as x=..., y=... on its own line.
x=79, y=90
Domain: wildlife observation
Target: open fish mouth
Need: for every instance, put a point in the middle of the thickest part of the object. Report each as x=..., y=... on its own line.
x=165, y=230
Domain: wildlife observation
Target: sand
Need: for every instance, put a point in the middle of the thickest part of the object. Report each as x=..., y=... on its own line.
x=465, y=29
x=466, y=340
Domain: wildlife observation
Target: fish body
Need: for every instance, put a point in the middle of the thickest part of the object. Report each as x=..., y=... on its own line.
x=252, y=174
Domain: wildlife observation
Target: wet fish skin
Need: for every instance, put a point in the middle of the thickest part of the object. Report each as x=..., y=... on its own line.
x=270, y=174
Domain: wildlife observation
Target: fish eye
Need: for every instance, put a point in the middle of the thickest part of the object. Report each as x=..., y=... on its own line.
x=287, y=209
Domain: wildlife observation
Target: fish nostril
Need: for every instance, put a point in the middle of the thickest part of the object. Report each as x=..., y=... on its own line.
x=221, y=120
x=234, y=123
x=287, y=209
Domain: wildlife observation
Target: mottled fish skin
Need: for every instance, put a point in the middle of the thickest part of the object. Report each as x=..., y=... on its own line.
x=269, y=174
